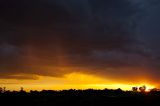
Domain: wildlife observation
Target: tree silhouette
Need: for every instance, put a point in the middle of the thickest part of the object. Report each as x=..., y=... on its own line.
x=142, y=88
x=134, y=89
x=88, y=97
x=1, y=89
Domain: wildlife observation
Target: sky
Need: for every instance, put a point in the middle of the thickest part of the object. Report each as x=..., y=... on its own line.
x=62, y=44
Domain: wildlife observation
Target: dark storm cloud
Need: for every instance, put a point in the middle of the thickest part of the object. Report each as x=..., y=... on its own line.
x=40, y=37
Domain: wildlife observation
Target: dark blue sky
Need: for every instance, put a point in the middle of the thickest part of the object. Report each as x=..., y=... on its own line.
x=111, y=38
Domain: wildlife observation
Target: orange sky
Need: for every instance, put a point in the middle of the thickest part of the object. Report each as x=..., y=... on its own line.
x=68, y=81
x=79, y=44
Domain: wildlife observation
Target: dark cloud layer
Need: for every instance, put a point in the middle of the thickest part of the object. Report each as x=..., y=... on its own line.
x=55, y=37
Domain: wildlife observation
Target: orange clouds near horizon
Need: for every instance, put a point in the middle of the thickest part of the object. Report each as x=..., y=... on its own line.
x=70, y=81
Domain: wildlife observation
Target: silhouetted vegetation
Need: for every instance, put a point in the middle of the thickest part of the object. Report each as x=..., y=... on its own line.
x=72, y=97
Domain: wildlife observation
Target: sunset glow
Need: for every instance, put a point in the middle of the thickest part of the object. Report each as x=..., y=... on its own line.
x=79, y=44
x=69, y=81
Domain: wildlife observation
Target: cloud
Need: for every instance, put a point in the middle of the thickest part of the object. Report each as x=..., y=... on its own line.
x=52, y=38
x=18, y=77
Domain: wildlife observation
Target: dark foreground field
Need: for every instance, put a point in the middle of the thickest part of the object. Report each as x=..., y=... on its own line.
x=79, y=98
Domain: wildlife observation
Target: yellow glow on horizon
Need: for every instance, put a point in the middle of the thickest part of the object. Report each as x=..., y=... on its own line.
x=121, y=86
x=71, y=81
x=80, y=78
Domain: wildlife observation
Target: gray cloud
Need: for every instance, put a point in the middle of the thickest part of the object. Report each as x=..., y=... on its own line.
x=40, y=37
